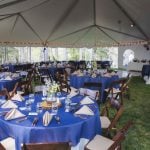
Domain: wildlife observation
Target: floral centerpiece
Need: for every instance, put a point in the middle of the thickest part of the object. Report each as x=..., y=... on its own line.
x=52, y=88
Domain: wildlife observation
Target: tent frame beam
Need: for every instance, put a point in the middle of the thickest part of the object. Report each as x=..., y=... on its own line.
x=63, y=18
x=63, y=36
x=27, y=23
x=120, y=32
x=99, y=28
x=84, y=34
x=11, y=3
x=131, y=19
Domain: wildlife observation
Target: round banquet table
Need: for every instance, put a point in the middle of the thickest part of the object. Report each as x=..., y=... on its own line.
x=78, y=82
x=71, y=128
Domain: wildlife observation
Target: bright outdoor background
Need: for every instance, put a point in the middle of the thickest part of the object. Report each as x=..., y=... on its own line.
x=37, y=54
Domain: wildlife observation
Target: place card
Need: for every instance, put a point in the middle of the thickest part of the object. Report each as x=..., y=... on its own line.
x=33, y=114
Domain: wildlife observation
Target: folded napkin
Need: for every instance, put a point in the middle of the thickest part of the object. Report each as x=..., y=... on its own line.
x=20, y=92
x=75, y=73
x=113, y=73
x=72, y=89
x=8, y=78
x=86, y=100
x=94, y=75
x=84, y=110
x=17, y=97
x=13, y=114
x=107, y=75
x=92, y=93
x=80, y=74
x=47, y=117
x=72, y=94
x=15, y=75
x=82, y=91
x=9, y=104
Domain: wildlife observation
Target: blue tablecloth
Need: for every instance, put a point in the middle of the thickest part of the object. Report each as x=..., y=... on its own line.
x=78, y=82
x=9, y=84
x=71, y=128
x=53, y=70
x=146, y=70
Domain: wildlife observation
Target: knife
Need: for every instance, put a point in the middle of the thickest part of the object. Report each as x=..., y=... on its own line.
x=22, y=119
x=3, y=113
x=35, y=121
x=57, y=118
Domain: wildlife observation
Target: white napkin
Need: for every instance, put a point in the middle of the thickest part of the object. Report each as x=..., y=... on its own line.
x=17, y=97
x=86, y=100
x=20, y=92
x=13, y=114
x=72, y=94
x=15, y=75
x=75, y=73
x=47, y=117
x=84, y=110
x=92, y=93
x=9, y=104
x=93, y=75
x=8, y=78
x=82, y=91
x=107, y=75
x=72, y=89
x=80, y=74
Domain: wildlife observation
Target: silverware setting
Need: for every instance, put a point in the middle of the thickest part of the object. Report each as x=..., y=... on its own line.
x=57, y=118
x=35, y=121
x=3, y=113
x=22, y=119
x=81, y=116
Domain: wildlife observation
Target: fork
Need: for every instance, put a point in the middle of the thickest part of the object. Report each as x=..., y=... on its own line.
x=35, y=121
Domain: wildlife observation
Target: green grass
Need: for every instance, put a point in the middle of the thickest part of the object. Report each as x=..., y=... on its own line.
x=137, y=109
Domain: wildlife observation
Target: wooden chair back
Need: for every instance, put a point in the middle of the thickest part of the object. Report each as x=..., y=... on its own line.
x=97, y=85
x=46, y=146
x=4, y=92
x=120, y=84
x=62, y=80
x=2, y=147
x=120, y=136
x=116, y=118
x=24, y=86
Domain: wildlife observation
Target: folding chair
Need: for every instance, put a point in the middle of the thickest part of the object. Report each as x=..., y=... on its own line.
x=46, y=146
x=102, y=143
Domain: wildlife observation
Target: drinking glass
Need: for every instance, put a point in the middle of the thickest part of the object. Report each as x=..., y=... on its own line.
x=38, y=107
x=31, y=98
x=28, y=105
x=54, y=108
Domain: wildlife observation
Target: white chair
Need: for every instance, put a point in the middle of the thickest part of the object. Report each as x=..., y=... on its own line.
x=8, y=144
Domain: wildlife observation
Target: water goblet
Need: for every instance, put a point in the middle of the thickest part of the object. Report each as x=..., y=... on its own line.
x=31, y=98
x=28, y=105
x=54, y=108
x=38, y=107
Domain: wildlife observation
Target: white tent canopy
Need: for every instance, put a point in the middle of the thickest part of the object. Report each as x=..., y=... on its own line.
x=74, y=23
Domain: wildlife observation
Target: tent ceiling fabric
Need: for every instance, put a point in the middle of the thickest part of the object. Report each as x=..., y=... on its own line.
x=74, y=23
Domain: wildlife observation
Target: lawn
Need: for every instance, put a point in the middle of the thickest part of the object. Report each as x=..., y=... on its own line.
x=137, y=109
